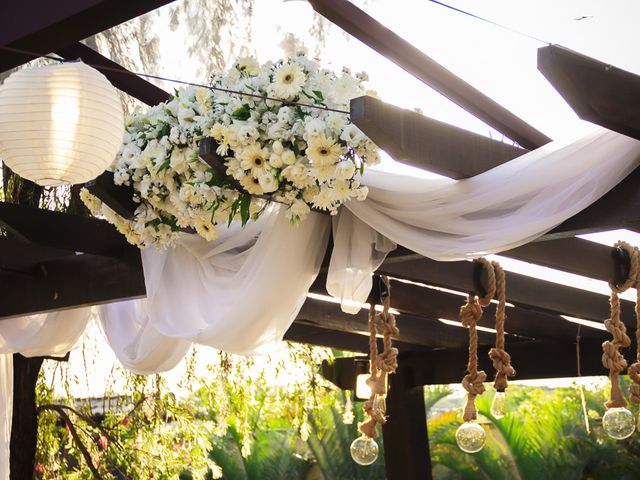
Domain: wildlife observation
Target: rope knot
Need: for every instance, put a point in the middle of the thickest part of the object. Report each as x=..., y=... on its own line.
x=473, y=383
x=634, y=375
x=470, y=312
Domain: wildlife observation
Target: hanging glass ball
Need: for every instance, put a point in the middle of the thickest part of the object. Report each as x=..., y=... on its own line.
x=618, y=423
x=499, y=405
x=364, y=450
x=470, y=437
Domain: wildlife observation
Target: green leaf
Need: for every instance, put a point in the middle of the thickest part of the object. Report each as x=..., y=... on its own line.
x=242, y=113
x=164, y=165
x=245, y=202
x=318, y=94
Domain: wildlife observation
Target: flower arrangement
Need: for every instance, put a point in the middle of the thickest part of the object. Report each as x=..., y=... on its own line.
x=274, y=149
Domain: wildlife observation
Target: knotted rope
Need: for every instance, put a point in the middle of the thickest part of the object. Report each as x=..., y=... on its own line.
x=498, y=355
x=381, y=364
x=470, y=313
x=611, y=356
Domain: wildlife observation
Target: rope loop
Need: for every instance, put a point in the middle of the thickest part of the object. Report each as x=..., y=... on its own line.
x=612, y=359
x=381, y=364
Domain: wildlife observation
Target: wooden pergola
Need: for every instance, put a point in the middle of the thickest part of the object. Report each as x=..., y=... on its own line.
x=51, y=260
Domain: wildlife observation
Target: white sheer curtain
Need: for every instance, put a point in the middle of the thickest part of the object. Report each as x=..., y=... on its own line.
x=500, y=209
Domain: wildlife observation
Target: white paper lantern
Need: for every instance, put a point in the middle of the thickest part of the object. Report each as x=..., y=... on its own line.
x=61, y=123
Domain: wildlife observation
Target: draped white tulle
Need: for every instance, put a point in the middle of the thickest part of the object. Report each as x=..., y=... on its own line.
x=239, y=294
x=242, y=292
x=500, y=209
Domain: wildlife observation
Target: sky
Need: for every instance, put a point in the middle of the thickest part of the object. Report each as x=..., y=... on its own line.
x=497, y=61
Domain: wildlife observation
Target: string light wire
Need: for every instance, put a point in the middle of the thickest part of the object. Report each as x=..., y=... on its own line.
x=491, y=22
x=124, y=71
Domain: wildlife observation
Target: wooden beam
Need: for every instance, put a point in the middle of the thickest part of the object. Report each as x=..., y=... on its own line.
x=372, y=33
x=43, y=26
x=522, y=322
x=414, y=329
x=64, y=231
x=406, y=441
x=352, y=342
x=426, y=143
x=119, y=76
x=523, y=291
x=117, y=197
x=618, y=208
x=577, y=256
x=532, y=360
x=19, y=256
x=598, y=92
x=71, y=282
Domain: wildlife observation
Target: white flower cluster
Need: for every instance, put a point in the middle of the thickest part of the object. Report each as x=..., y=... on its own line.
x=277, y=151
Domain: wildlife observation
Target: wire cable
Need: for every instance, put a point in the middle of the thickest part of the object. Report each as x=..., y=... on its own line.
x=124, y=71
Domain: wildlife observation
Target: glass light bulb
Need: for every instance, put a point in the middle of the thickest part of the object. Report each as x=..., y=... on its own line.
x=364, y=450
x=618, y=423
x=499, y=405
x=470, y=437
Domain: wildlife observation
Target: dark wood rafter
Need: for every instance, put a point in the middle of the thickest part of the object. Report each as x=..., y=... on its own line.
x=429, y=144
x=64, y=231
x=598, y=92
x=522, y=291
x=532, y=360
x=348, y=341
x=120, y=77
x=372, y=33
x=414, y=329
x=117, y=197
x=42, y=26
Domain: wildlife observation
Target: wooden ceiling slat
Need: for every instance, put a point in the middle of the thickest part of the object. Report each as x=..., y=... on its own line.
x=423, y=142
x=71, y=282
x=414, y=329
x=532, y=360
x=119, y=76
x=19, y=256
x=64, y=231
x=353, y=342
x=598, y=92
x=43, y=26
x=375, y=35
x=574, y=255
x=619, y=208
x=522, y=291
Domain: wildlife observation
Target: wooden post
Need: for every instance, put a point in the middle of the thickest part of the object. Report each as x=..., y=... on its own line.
x=406, y=441
x=24, y=429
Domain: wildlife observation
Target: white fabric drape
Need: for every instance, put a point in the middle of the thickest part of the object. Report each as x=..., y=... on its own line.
x=242, y=292
x=500, y=209
x=239, y=293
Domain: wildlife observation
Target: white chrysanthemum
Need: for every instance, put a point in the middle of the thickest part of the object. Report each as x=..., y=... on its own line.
x=345, y=170
x=288, y=81
x=268, y=182
x=314, y=127
x=323, y=151
x=255, y=159
x=323, y=199
x=340, y=191
x=324, y=173
x=298, y=211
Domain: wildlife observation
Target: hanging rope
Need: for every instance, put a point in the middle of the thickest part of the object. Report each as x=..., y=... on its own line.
x=611, y=356
x=498, y=355
x=634, y=274
x=470, y=313
x=381, y=364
